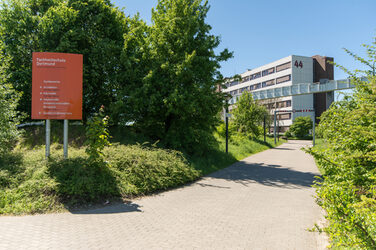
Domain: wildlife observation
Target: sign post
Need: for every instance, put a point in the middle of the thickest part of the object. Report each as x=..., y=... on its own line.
x=264, y=128
x=65, y=139
x=226, y=119
x=313, y=128
x=48, y=137
x=57, y=91
x=275, y=125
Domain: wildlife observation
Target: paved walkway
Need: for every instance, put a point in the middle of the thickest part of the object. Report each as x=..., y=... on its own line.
x=262, y=202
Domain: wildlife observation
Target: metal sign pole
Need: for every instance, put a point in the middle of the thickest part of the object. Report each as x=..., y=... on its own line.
x=48, y=136
x=65, y=139
x=278, y=128
x=313, y=128
x=226, y=115
x=275, y=125
x=264, y=128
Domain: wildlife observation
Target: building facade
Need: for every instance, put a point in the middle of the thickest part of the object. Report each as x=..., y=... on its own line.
x=287, y=71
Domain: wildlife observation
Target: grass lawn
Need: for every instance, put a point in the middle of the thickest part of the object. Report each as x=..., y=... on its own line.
x=217, y=159
x=132, y=167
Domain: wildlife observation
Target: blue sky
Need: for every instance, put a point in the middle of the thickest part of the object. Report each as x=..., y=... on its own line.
x=260, y=32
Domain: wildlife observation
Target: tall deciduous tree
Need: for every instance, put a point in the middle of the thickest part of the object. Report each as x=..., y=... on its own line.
x=9, y=117
x=249, y=115
x=94, y=28
x=175, y=98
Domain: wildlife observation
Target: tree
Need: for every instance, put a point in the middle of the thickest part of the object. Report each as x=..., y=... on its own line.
x=249, y=115
x=9, y=117
x=271, y=106
x=174, y=98
x=348, y=189
x=301, y=126
x=94, y=28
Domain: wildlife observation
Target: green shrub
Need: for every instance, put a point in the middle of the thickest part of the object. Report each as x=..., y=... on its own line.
x=142, y=170
x=288, y=133
x=97, y=135
x=301, y=126
x=9, y=118
x=221, y=129
x=348, y=163
x=29, y=184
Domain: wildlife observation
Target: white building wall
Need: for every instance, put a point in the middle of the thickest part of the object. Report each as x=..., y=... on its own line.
x=302, y=72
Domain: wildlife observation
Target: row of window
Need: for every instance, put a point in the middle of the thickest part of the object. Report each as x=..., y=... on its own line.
x=283, y=66
x=278, y=80
x=283, y=79
x=283, y=116
x=282, y=104
x=268, y=71
x=263, y=73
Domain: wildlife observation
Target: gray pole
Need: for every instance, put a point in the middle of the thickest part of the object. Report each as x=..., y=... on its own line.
x=48, y=136
x=65, y=139
x=275, y=126
x=278, y=129
x=313, y=128
x=264, y=128
x=226, y=118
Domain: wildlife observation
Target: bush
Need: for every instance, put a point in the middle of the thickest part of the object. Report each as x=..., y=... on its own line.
x=97, y=135
x=221, y=129
x=347, y=191
x=301, y=126
x=9, y=118
x=142, y=170
x=30, y=185
x=288, y=134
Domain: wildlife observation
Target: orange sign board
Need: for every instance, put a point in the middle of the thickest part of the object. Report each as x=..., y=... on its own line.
x=57, y=86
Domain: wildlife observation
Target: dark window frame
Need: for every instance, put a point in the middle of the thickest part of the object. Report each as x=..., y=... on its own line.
x=267, y=71
x=283, y=64
x=289, y=79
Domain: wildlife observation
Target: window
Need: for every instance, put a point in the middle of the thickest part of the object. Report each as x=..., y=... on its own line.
x=283, y=66
x=245, y=79
x=283, y=79
x=255, y=76
x=244, y=89
x=268, y=83
x=284, y=104
x=233, y=83
x=234, y=92
x=256, y=86
x=271, y=106
x=267, y=72
x=285, y=116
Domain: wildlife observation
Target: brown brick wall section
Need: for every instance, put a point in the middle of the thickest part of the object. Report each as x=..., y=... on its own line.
x=322, y=69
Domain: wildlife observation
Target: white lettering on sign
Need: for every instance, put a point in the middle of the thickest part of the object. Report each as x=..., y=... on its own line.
x=49, y=61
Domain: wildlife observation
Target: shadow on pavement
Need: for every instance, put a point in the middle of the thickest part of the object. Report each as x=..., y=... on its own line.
x=112, y=209
x=268, y=175
x=279, y=148
x=209, y=185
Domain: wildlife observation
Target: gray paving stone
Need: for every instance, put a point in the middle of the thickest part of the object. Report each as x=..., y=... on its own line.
x=263, y=202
